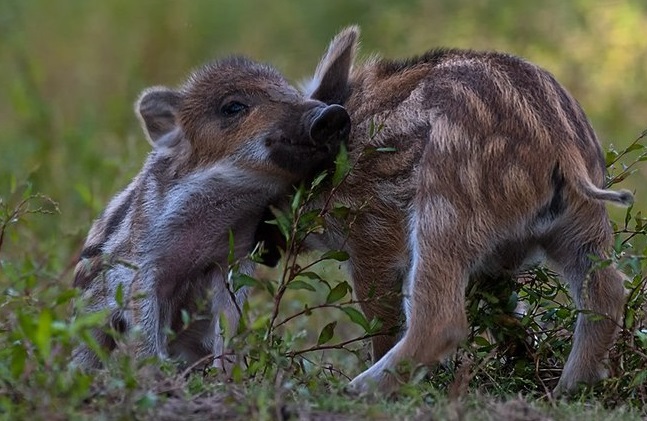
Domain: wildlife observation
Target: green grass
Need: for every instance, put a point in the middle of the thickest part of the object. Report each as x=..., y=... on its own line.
x=69, y=72
x=299, y=369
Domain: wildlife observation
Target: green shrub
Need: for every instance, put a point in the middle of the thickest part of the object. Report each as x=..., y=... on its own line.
x=302, y=333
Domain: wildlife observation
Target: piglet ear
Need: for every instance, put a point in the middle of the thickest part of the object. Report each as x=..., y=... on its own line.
x=157, y=109
x=330, y=81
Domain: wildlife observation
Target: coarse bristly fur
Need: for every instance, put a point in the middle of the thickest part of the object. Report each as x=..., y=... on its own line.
x=494, y=163
x=226, y=145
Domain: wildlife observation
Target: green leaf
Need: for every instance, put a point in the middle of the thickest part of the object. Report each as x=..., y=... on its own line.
x=90, y=320
x=66, y=296
x=283, y=222
x=512, y=303
x=629, y=318
x=342, y=165
x=481, y=341
x=18, y=359
x=339, y=255
x=628, y=215
x=357, y=317
x=310, y=275
x=26, y=323
x=297, y=285
x=119, y=295
x=386, y=149
x=640, y=379
x=240, y=280
x=326, y=333
x=611, y=156
x=318, y=179
x=148, y=401
x=90, y=340
x=338, y=292
x=374, y=129
x=261, y=323
x=639, y=221
x=186, y=318
x=311, y=221
x=642, y=337
x=297, y=198
x=340, y=211
x=617, y=244
x=43, y=337
x=489, y=298
x=634, y=147
x=237, y=374
x=375, y=325
x=269, y=287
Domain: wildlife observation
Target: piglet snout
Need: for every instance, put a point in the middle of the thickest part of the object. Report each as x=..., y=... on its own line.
x=330, y=125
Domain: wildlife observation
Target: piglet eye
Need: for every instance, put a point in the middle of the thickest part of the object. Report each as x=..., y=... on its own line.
x=232, y=108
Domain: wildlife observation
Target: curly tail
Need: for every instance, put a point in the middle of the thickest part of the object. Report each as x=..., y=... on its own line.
x=620, y=197
x=575, y=170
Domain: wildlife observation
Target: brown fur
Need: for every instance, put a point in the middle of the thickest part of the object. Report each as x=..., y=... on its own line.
x=232, y=140
x=492, y=155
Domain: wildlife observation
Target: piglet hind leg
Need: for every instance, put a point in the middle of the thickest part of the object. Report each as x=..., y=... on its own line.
x=598, y=293
x=434, y=305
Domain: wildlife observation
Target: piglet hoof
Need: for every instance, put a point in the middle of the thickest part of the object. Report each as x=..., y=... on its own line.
x=374, y=381
x=562, y=392
x=578, y=375
x=358, y=387
x=565, y=390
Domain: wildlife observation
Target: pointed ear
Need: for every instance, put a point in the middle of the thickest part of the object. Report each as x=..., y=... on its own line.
x=157, y=109
x=330, y=81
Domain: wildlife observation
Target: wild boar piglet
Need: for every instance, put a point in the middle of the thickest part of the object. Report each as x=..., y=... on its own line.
x=494, y=165
x=228, y=143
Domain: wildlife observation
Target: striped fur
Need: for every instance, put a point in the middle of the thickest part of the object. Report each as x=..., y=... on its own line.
x=227, y=144
x=494, y=163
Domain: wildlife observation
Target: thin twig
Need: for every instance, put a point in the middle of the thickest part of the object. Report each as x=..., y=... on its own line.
x=340, y=345
x=642, y=135
x=339, y=306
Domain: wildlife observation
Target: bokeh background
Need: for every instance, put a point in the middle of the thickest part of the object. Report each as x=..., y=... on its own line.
x=71, y=69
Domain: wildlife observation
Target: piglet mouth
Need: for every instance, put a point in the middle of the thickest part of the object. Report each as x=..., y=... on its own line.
x=292, y=142
x=311, y=147
x=326, y=128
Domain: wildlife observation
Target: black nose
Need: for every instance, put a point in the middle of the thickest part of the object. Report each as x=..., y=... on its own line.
x=332, y=124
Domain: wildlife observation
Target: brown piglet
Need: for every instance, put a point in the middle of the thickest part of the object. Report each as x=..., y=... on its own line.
x=494, y=166
x=228, y=143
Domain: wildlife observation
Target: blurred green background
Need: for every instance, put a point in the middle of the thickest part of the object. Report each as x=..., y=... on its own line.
x=71, y=69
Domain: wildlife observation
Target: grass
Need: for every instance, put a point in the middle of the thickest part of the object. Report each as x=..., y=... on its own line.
x=300, y=345
x=69, y=141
